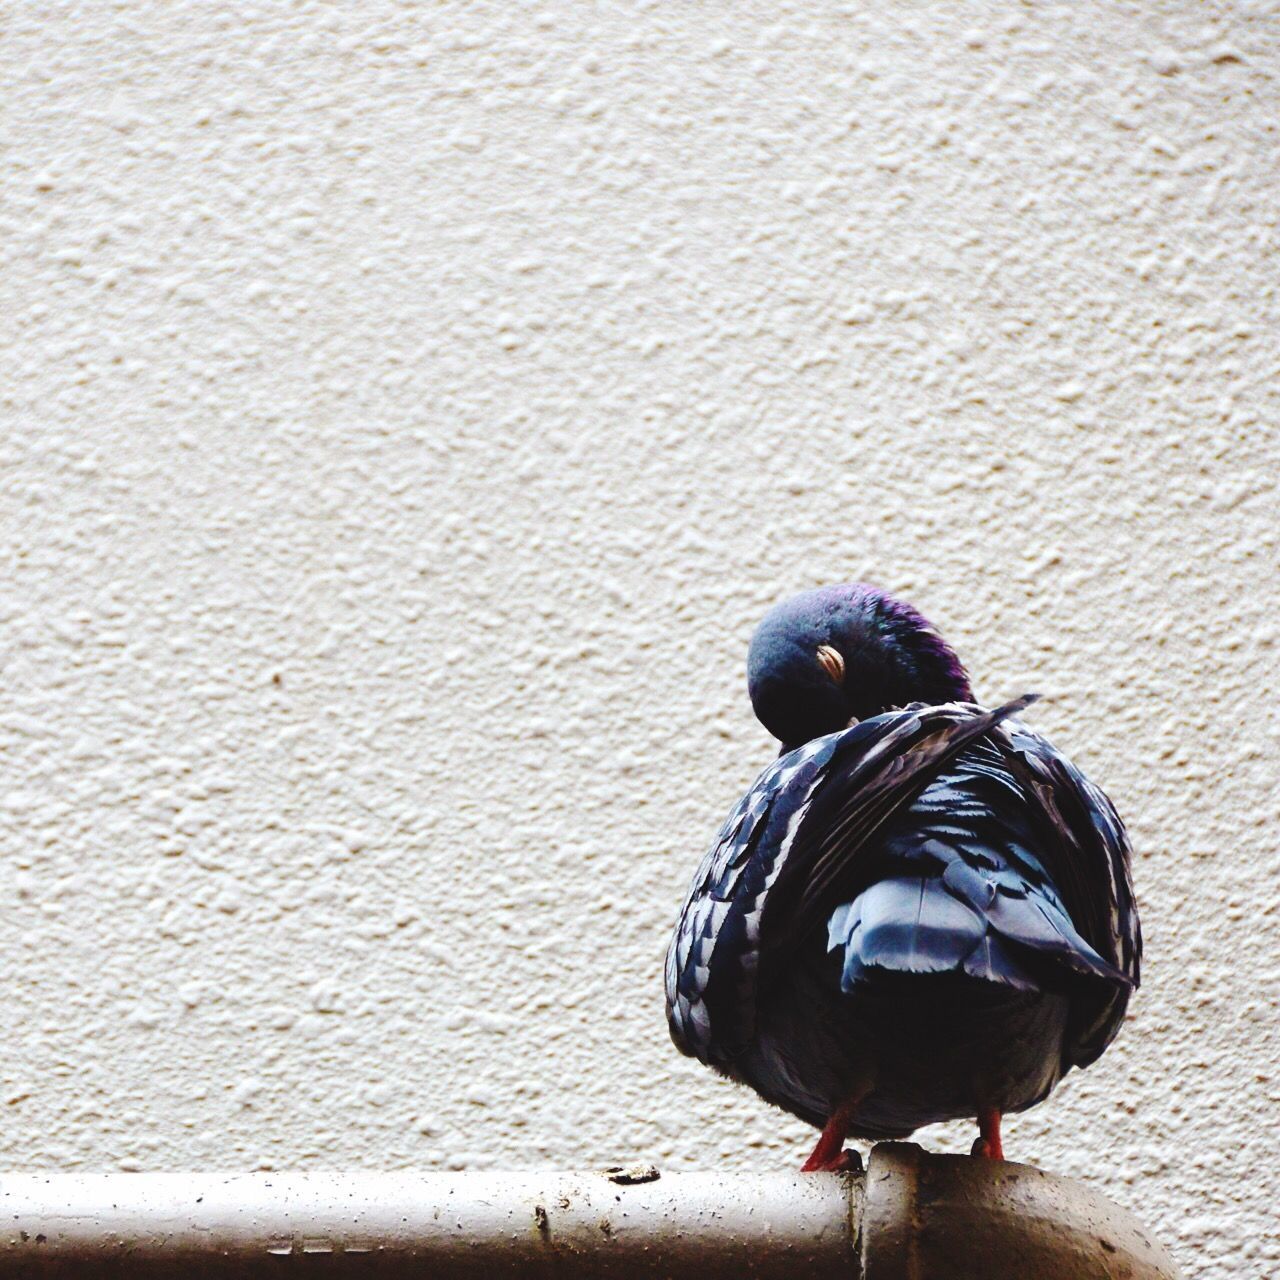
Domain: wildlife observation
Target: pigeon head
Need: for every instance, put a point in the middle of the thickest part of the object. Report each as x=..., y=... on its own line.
x=827, y=657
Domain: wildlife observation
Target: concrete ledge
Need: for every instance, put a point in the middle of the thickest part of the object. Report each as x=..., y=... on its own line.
x=932, y=1217
x=911, y=1217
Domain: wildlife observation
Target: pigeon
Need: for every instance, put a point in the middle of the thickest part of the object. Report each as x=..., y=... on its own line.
x=920, y=911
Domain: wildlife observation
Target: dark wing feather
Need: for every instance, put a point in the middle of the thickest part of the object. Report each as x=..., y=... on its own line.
x=1086, y=852
x=865, y=788
x=711, y=961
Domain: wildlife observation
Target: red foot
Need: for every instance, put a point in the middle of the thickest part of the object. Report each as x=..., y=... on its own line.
x=988, y=1144
x=829, y=1156
x=845, y=1162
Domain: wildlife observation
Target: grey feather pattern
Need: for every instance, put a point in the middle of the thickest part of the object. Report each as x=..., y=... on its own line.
x=873, y=833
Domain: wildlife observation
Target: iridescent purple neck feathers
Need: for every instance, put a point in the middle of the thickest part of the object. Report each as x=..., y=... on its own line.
x=836, y=654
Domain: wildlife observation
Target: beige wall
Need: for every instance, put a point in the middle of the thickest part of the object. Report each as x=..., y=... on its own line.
x=408, y=410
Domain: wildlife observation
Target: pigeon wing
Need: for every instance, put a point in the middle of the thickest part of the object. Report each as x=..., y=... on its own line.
x=712, y=958
x=1086, y=852
x=834, y=856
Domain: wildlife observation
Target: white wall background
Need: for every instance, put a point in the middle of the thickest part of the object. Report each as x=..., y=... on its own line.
x=407, y=413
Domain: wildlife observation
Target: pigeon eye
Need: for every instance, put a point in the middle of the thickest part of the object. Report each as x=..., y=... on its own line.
x=831, y=662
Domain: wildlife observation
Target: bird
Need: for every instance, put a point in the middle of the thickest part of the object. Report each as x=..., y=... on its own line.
x=920, y=911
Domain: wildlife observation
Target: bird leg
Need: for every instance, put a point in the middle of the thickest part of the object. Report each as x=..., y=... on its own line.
x=988, y=1142
x=829, y=1156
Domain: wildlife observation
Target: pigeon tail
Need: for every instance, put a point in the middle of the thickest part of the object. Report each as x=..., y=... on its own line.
x=935, y=923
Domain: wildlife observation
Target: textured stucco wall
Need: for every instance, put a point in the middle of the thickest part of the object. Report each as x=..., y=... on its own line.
x=408, y=410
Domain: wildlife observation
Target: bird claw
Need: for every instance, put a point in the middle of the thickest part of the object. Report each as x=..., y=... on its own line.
x=987, y=1145
x=848, y=1161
